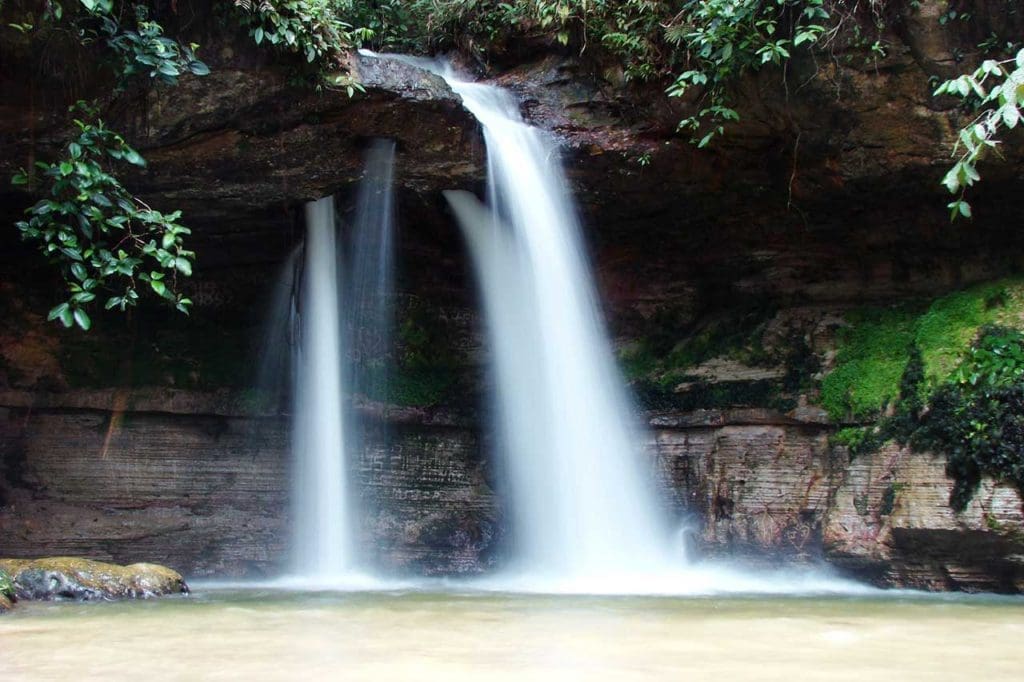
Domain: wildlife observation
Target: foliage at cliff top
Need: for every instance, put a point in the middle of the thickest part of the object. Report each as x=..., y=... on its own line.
x=698, y=46
x=875, y=348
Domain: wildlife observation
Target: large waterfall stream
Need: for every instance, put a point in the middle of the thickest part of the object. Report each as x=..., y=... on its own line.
x=583, y=508
x=585, y=515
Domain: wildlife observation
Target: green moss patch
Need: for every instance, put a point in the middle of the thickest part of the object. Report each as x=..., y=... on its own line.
x=875, y=348
x=736, y=335
x=873, y=352
x=658, y=363
x=704, y=395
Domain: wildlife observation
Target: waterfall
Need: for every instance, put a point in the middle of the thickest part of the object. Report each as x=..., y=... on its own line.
x=583, y=508
x=369, y=313
x=323, y=535
x=343, y=345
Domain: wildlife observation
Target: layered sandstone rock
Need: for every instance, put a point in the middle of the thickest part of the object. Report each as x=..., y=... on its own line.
x=890, y=515
x=210, y=493
x=210, y=496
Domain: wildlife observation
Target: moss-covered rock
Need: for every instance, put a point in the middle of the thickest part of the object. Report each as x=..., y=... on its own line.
x=88, y=580
x=876, y=346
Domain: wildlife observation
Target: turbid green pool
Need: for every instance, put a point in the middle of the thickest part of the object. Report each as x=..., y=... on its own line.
x=266, y=634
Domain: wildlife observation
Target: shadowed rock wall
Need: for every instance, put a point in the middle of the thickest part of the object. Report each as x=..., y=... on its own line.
x=209, y=494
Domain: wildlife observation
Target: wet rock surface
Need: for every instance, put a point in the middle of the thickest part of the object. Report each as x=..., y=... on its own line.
x=87, y=580
x=747, y=489
x=890, y=516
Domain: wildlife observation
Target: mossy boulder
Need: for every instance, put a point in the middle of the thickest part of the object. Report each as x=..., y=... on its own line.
x=88, y=580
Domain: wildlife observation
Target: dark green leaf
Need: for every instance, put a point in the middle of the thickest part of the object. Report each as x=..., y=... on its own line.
x=133, y=157
x=82, y=318
x=168, y=69
x=56, y=312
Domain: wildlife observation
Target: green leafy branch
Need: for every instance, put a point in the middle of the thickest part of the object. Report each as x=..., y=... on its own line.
x=727, y=38
x=997, y=89
x=310, y=29
x=145, y=51
x=132, y=47
x=106, y=241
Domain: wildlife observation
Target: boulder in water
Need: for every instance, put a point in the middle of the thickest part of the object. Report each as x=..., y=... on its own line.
x=88, y=580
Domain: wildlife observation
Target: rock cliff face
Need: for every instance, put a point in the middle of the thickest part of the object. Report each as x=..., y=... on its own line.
x=208, y=495
x=781, y=492
x=143, y=441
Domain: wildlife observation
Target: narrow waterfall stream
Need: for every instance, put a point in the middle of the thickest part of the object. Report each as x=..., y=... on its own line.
x=369, y=311
x=323, y=548
x=343, y=349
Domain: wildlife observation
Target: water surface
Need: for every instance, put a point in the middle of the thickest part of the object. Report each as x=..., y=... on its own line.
x=256, y=634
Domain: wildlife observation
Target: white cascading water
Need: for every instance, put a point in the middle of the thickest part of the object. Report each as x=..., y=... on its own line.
x=323, y=545
x=369, y=311
x=583, y=508
x=585, y=513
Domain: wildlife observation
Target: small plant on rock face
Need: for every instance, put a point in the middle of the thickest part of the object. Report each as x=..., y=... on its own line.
x=106, y=241
x=996, y=359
